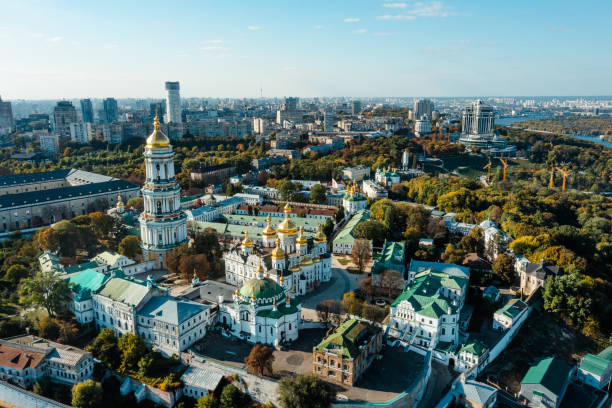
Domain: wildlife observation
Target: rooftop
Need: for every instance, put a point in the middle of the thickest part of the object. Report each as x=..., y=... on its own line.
x=347, y=338
x=551, y=373
x=346, y=234
x=512, y=308
x=126, y=291
x=170, y=310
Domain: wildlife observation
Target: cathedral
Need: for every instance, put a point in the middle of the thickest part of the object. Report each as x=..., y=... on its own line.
x=286, y=256
x=262, y=312
x=163, y=224
x=353, y=201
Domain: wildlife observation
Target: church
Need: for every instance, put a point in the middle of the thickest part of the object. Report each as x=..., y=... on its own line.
x=290, y=259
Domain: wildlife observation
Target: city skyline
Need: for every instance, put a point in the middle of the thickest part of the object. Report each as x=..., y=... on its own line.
x=360, y=48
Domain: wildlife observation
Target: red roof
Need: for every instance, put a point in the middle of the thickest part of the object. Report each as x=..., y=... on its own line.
x=17, y=358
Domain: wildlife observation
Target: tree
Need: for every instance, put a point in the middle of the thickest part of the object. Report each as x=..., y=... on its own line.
x=137, y=203
x=350, y=304
x=68, y=332
x=15, y=273
x=47, y=290
x=286, y=189
x=373, y=313
x=362, y=253
x=371, y=230
x=392, y=280
x=260, y=359
x=101, y=223
x=262, y=177
x=231, y=397
x=328, y=311
x=452, y=255
x=474, y=242
x=318, y=194
x=87, y=394
x=339, y=214
x=130, y=247
x=503, y=268
x=104, y=348
x=49, y=328
x=48, y=239
x=305, y=391
x=132, y=349
x=207, y=401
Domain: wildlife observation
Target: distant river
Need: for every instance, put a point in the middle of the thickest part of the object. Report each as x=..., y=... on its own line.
x=512, y=119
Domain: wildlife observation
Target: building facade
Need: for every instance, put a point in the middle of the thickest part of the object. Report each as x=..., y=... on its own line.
x=173, y=102
x=163, y=224
x=64, y=114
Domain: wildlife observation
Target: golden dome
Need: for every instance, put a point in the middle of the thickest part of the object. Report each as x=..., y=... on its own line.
x=157, y=138
x=278, y=253
x=320, y=236
x=287, y=226
x=306, y=261
x=246, y=242
x=295, y=268
x=301, y=239
x=260, y=269
x=237, y=292
x=269, y=230
x=282, y=277
x=253, y=297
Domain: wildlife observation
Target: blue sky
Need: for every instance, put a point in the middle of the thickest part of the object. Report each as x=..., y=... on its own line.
x=65, y=49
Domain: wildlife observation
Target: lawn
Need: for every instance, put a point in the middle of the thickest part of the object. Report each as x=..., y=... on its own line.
x=541, y=336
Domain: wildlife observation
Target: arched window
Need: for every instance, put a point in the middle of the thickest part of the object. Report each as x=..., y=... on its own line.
x=166, y=170
x=159, y=207
x=157, y=168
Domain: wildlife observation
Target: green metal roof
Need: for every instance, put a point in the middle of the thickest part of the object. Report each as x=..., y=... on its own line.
x=474, y=347
x=512, y=308
x=125, y=291
x=262, y=288
x=594, y=364
x=346, y=234
x=606, y=353
x=551, y=373
x=280, y=311
x=392, y=256
x=425, y=296
x=347, y=338
x=85, y=282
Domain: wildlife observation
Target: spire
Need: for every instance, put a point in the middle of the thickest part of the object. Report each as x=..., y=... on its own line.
x=246, y=242
x=287, y=299
x=260, y=271
x=301, y=239
x=274, y=304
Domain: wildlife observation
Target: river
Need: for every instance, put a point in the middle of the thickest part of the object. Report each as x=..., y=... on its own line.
x=512, y=119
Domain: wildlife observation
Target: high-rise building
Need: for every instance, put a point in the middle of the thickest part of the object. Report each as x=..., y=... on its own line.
x=163, y=224
x=64, y=114
x=290, y=104
x=87, y=111
x=422, y=127
x=259, y=126
x=6, y=118
x=49, y=142
x=356, y=107
x=405, y=159
x=173, y=102
x=110, y=110
x=328, y=121
x=157, y=109
x=78, y=132
x=478, y=119
x=423, y=108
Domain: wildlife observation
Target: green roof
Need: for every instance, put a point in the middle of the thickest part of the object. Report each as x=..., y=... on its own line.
x=474, y=347
x=512, y=308
x=262, y=289
x=85, y=282
x=594, y=364
x=280, y=311
x=606, y=353
x=551, y=373
x=392, y=256
x=347, y=338
x=346, y=234
x=81, y=267
x=125, y=291
x=425, y=296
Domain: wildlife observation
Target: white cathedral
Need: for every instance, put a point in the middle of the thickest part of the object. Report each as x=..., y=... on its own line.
x=290, y=259
x=163, y=224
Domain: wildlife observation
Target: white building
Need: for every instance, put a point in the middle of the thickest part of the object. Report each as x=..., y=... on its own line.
x=328, y=121
x=163, y=224
x=373, y=190
x=113, y=260
x=291, y=260
x=505, y=317
x=79, y=133
x=427, y=311
x=353, y=200
x=49, y=143
x=199, y=381
x=251, y=199
x=173, y=102
x=422, y=127
x=259, y=126
x=170, y=325
x=386, y=177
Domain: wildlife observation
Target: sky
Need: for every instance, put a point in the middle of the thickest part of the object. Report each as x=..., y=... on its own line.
x=357, y=48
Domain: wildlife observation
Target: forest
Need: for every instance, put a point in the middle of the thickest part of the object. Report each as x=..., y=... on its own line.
x=574, y=125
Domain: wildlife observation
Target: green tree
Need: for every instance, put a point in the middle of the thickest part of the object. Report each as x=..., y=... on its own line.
x=207, y=401
x=231, y=397
x=503, y=268
x=371, y=230
x=317, y=194
x=47, y=290
x=130, y=247
x=305, y=391
x=286, y=189
x=87, y=394
x=132, y=349
x=105, y=349
x=101, y=223
x=49, y=328
x=16, y=273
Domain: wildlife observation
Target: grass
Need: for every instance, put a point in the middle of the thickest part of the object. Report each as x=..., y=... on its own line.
x=541, y=336
x=36, y=315
x=344, y=261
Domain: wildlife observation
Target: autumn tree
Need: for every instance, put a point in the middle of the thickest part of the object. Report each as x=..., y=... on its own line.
x=503, y=268
x=452, y=255
x=47, y=290
x=48, y=239
x=260, y=359
x=351, y=305
x=361, y=254
x=392, y=280
x=137, y=203
x=101, y=223
x=130, y=247
x=16, y=273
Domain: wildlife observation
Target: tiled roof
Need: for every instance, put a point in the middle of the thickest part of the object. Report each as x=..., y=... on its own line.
x=391, y=256
x=80, y=267
x=56, y=352
x=170, y=310
x=606, y=353
x=17, y=357
x=42, y=196
x=551, y=373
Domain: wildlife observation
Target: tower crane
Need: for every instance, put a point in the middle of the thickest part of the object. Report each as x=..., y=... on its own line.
x=488, y=167
x=501, y=159
x=551, y=183
x=565, y=175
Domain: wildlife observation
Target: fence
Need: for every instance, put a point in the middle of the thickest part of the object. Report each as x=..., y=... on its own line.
x=18, y=397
